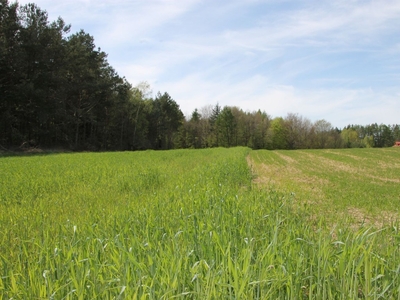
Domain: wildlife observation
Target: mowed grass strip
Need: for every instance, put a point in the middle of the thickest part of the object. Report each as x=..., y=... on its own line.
x=359, y=183
x=176, y=225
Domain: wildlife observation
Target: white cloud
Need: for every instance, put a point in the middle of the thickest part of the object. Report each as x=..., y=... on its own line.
x=339, y=106
x=336, y=60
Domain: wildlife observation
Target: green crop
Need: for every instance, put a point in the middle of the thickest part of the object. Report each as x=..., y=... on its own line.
x=359, y=183
x=182, y=224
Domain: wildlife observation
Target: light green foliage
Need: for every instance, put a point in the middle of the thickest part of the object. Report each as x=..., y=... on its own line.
x=279, y=134
x=351, y=138
x=182, y=224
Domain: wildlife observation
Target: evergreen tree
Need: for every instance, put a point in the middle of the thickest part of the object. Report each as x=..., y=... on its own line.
x=165, y=120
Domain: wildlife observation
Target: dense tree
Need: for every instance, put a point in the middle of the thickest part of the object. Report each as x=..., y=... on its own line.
x=298, y=131
x=260, y=122
x=350, y=138
x=396, y=132
x=115, y=125
x=279, y=134
x=58, y=90
x=385, y=136
x=214, y=139
x=90, y=85
x=9, y=73
x=31, y=56
x=195, y=128
x=190, y=133
x=226, y=126
x=140, y=109
x=323, y=132
x=205, y=126
x=165, y=121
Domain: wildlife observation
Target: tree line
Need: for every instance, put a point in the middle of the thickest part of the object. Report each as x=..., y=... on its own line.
x=58, y=90
x=231, y=126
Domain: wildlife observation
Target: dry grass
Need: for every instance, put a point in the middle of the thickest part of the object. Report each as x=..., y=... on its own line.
x=335, y=188
x=361, y=218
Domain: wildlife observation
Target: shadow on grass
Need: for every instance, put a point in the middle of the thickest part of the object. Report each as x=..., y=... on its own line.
x=32, y=151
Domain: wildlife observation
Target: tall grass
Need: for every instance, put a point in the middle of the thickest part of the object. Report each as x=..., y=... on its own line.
x=175, y=225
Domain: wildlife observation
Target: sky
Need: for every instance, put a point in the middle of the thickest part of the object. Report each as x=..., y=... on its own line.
x=337, y=60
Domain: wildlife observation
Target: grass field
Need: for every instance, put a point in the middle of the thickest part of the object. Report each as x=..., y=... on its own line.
x=362, y=185
x=201, y=224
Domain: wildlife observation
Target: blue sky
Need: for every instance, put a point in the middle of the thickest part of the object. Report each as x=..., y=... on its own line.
x=337, y=60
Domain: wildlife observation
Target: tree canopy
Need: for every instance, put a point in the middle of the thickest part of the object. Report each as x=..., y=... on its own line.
x=58, y=90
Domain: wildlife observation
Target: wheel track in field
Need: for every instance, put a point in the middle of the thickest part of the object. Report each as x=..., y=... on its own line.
x=273, y=173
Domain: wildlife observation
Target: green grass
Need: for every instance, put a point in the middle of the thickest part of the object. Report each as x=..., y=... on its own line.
x=366, y=181
x=184, y=224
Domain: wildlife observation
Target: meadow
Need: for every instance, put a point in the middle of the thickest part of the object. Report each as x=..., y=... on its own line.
x=360, y=184
x=201, y=224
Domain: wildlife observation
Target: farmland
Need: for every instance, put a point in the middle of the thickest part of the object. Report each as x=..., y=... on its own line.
x=360, y=184
x=201, y=224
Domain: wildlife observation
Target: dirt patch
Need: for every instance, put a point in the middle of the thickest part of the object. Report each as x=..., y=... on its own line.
x=326, y=163
x=388, y=165
x=287, y=177
x=309, y=189
x=342, y=153
x=384, y=179
x=34, y=150
x=361, y=218
x=286, y=158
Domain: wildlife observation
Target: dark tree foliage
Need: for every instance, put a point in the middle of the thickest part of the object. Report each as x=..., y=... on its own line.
x=226, y=127
x=372, y=135
x=58, y=90
x=165, y=121
x=9, y=71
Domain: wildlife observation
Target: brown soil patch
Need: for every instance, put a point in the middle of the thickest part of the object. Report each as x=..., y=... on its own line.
x=335, y=165
x=275, y=175
x=384, y=179
x=310, y=188
x=326, y=163
x=286, y=158
x=361, y=218
x=342, y=153
x=388, y=165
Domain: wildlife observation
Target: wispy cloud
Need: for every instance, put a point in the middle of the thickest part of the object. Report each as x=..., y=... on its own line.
x=337, y=60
